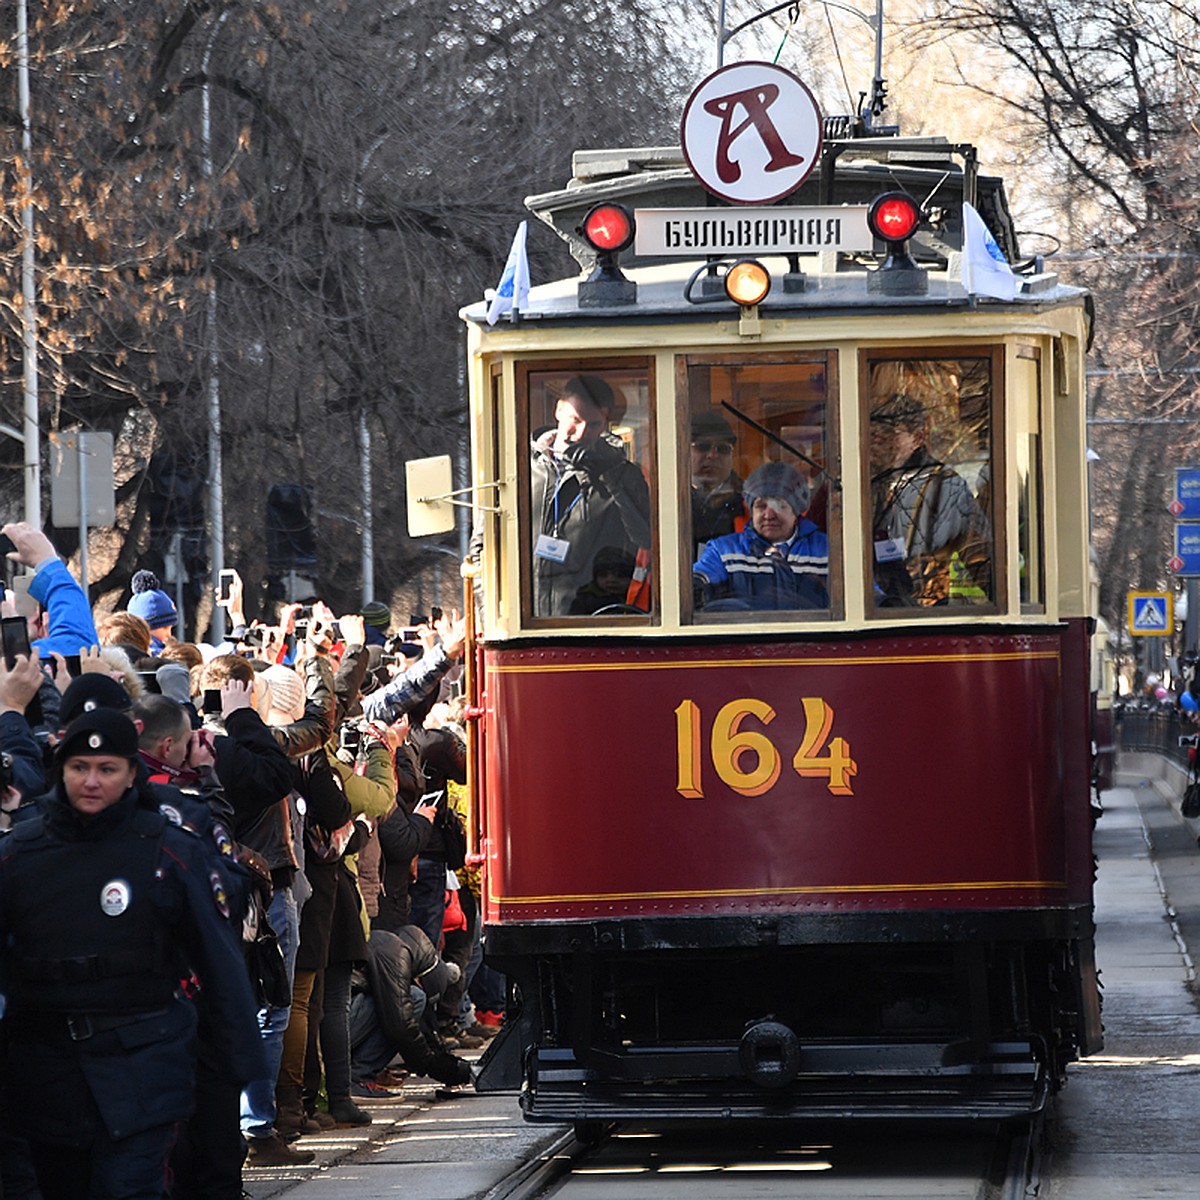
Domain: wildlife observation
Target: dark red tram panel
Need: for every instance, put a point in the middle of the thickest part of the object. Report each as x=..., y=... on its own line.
x=787, y=879
x=946, y=771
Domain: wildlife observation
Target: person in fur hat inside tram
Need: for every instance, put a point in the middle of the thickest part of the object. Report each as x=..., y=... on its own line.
x=155, y=607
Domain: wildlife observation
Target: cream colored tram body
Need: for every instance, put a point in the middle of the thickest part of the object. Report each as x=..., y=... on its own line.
x=799, y=825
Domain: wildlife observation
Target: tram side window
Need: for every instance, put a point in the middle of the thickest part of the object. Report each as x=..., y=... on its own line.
x=757, y=456
x=589, y=536
x=930, y=450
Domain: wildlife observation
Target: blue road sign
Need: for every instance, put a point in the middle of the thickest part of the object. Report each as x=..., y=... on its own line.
x=1151, y=614
x=1187, y=494
x=1187, y=547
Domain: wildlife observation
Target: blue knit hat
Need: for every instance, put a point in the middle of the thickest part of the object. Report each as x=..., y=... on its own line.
x=150, y=602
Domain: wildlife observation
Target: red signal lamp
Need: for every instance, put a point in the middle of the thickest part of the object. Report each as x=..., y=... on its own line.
x=893, y=218
x=608, y=229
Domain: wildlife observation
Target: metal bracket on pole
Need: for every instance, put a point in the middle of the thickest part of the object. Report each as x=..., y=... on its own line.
x=447, y=498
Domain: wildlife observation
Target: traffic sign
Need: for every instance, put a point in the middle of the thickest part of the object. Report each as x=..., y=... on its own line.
x=1151, y=614
x=1186, y=503
x=1187, y=547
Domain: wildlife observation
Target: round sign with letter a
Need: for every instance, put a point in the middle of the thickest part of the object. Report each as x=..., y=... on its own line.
x=751, y=133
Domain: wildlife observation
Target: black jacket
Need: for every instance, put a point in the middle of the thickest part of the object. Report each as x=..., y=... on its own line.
x=99, y=920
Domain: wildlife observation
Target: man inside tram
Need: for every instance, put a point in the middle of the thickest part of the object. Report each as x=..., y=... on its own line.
x=780, y=561
x=718, y=506
x=586, y=495
x=931, y=537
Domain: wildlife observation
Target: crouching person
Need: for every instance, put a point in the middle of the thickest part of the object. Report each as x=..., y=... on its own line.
x=405, y=975
x=110, y=919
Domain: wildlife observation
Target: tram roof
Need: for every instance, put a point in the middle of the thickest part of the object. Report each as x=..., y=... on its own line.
x=937, y=172
x=660, y=296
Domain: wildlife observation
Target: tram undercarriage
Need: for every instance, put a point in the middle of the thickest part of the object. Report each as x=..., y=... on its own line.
x=745, y=1020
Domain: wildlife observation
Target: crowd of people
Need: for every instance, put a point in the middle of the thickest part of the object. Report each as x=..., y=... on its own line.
x=235, y=897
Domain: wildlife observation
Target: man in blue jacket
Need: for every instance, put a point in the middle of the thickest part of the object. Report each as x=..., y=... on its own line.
x=779, y=562
x=64, y=623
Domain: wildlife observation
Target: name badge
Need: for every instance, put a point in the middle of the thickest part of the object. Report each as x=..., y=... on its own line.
x=889, y=550
x=552, y=548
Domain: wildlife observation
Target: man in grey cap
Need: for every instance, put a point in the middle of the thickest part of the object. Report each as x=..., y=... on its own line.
x=932, y=540
x=779, y=561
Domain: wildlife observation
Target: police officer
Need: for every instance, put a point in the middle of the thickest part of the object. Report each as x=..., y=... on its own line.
x=107, y=909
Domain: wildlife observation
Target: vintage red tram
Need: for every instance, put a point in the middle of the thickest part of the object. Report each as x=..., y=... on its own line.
x=792, y=858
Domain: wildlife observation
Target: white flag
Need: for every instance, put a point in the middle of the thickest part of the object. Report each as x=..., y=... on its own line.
x=512, y=292
x=985, y=271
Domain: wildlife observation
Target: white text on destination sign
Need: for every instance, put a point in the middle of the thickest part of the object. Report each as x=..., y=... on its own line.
x=689, y=232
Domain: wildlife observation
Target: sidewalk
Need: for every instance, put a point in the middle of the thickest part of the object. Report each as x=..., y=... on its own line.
x=1125, y=1127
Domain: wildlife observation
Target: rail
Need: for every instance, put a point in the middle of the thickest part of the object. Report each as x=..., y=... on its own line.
x=1155, y=730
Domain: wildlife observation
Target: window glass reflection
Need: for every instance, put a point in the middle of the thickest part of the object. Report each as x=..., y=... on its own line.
x=589, y=536
x=757, y=459
x=930, y=452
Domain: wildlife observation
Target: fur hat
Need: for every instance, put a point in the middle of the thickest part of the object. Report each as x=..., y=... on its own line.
x=150, y=602
x=777, y=479
x=287, y=692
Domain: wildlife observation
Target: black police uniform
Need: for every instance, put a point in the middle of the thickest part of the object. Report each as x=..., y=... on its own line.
x=103, y=921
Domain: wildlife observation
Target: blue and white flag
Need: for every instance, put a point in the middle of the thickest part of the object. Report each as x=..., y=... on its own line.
x=985, y=271
x=512, y=292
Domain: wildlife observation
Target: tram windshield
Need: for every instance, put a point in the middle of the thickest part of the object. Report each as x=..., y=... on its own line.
x=758, y=463
x=589, y=533
x=929, y=446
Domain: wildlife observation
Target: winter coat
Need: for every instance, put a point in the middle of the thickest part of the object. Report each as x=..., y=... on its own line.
x=735, y=572
x=592, y=498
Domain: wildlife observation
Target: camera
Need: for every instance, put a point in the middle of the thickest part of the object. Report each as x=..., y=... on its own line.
x=254, y=637
x=6, y=771
x=350, y=738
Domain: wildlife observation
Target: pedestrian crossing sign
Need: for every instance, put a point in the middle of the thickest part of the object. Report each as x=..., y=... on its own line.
x=1151, y=614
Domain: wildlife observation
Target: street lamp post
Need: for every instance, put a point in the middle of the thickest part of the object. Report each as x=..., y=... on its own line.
x=30, y=434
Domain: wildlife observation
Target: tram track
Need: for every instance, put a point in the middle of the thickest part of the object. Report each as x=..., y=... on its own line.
x=903, y=1160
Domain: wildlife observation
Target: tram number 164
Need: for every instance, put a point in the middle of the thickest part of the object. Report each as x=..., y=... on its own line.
x=747, y=761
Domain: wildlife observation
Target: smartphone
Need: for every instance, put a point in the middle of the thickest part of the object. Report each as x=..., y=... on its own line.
x=15, y=631
x=150, y=682
x=211, y=702
x=435, y=614
x=25, y=604
x=72, y=661
x=225, y=580
x=438, y=798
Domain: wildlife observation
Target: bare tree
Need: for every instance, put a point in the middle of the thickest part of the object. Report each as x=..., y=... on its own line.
x=362, y=179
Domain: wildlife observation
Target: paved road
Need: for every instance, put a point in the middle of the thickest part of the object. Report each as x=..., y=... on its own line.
x=1127, y=1126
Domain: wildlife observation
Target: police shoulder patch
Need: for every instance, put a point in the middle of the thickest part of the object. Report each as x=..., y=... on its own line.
x=220, y=898
x=222, y=839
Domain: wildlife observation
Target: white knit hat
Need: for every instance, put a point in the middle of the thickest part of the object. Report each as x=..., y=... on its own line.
x=287, y=691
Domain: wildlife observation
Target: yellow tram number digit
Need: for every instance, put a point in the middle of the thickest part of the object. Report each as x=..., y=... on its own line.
x=818, y=757
x=836, y=765
x=730, y=743
x=687, y=747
